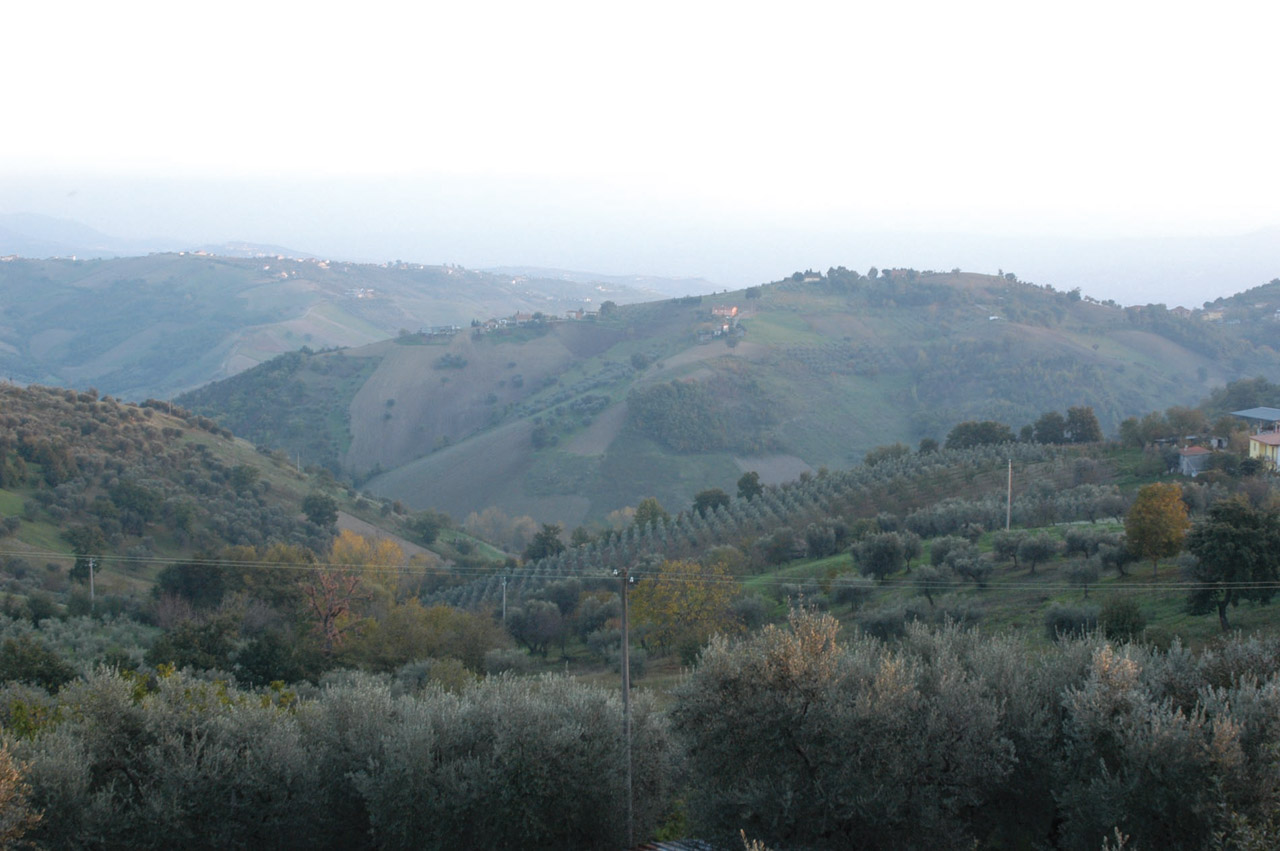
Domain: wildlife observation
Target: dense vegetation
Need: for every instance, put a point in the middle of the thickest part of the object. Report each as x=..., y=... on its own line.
x=730, y=413
x=946, y=738
x=873, y=659
x=120, y=761
x=310, y=396
x=952, y=738
x=127, y=479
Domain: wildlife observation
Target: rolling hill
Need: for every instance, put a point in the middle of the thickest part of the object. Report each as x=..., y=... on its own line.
x=143, y=486
x=569, y=420
x=138, y=327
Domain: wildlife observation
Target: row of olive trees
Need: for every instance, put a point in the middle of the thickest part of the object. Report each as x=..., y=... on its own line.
x=535, y=762
x=950, y=739
x=945, y=739
x=773, y=523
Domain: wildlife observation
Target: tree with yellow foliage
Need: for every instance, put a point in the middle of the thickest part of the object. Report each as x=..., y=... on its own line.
x=377, y=560
x=1157, y=523
x=685, y=603
x=409, y=631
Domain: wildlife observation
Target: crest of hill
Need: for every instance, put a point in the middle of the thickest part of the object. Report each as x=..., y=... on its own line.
x=152, y=326
x=569, y=420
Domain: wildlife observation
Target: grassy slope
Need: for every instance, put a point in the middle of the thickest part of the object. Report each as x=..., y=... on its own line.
x=1017, y=601
x=842, y=371
x=190, y=459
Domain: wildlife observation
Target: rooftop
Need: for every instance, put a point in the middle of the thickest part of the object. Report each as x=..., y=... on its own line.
x=1270, y=415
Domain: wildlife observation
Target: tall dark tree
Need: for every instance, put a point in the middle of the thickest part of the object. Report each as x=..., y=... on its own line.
x=1237, y=548
x=87, y=542
x=1051, y=428
x=749, y=486
x=321, y=509
x=648, y=512
x=987, y=432
x=880, y=555
x=199, y=583
x=708, y=500
x=545, y=543
x=1082, y=425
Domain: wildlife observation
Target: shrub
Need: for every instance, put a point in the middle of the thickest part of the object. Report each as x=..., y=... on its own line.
x=1062, y=621
x=29, y=660
x=1121, y=618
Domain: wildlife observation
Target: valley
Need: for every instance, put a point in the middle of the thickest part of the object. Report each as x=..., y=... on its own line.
x=340, y=565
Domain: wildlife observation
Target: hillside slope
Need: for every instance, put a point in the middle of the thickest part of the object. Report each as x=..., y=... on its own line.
x=568, y=421
x=139, y=487
x=153, y=326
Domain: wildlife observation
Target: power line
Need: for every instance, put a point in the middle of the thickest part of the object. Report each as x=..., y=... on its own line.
x=1003, y=584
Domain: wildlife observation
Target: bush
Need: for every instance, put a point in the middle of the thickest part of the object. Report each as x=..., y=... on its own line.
x=884, y=623
x=1062, y=621
x=852, y=591
x=751, y=610
x=502, y=660
x=29, y=660
x=1121, y=618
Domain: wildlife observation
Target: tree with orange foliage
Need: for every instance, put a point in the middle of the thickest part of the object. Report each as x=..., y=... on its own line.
x=16, y=813
x=1157, y=523
x=379, y=560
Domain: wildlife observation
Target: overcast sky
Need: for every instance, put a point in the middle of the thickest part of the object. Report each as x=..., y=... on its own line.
x=552, y=124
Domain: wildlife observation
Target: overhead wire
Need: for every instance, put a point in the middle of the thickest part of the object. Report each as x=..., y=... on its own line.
x=1134, y=584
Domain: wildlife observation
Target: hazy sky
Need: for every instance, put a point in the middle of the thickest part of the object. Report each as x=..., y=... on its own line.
x=1089, y=119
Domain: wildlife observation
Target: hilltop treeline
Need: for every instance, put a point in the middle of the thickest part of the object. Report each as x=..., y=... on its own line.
x=948, y=739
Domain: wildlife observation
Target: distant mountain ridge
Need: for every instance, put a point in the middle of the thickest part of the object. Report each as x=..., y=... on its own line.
x=152, y=326
x=31, y=235
x=659, y=286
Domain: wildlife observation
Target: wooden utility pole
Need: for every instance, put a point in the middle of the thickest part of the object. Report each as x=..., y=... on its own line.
x=624, y=576
x=1008, y=508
